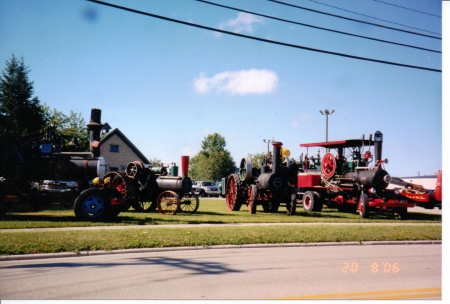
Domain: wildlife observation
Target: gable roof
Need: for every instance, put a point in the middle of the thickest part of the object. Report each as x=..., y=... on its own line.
x=117, y=132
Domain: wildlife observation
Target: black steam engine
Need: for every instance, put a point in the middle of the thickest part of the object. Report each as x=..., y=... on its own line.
x=269, y=186
x=26, y=164
x=143, y=187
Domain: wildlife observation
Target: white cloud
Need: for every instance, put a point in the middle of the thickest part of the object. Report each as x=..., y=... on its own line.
x=244, y=22
x=242, y=82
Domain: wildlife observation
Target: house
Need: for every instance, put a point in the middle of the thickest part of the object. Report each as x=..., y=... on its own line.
x=118, y=150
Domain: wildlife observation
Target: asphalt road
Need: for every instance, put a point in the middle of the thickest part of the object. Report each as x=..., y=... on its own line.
x=375, y=271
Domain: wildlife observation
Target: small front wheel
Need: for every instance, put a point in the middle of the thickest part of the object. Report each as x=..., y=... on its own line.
x=189, y=204
x=92, y=204
x=308, y=201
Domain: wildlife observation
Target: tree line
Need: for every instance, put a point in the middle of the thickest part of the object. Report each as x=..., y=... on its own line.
x=23, y=117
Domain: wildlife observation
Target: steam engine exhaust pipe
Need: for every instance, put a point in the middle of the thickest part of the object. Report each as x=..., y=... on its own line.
x=378, y=143
x=95, y=127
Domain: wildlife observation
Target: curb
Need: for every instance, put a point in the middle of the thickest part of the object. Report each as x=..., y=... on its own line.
x=165, y=249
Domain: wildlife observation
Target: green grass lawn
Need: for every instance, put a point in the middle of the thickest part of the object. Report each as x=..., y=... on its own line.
x=210, y=211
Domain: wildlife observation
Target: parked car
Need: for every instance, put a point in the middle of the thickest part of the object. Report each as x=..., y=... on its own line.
x=207, y=188
x=219, y=185
x=58, y=186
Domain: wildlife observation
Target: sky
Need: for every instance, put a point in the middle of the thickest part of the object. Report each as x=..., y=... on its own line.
x=167, y=85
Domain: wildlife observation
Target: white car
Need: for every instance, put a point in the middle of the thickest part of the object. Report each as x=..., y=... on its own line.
x=206, y=188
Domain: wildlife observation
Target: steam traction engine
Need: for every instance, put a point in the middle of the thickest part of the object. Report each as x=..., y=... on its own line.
x=136, y=187
x=269, y=186
x=23, y=165
x=352, y=179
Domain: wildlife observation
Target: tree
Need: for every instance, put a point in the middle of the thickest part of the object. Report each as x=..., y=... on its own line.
x=212, y=162
x=258, y=159
x=20, y=113
x=68, y=127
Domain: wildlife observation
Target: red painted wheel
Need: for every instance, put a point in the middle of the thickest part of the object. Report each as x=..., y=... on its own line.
x=233, y=193
x=168, y=203
x=308, y=201
x=328, y=165
x=122, y=184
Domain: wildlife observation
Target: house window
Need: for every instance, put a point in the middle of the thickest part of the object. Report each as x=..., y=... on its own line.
x=114, y=148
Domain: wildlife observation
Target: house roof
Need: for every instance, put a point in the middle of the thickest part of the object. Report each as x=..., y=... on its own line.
x=117, y=132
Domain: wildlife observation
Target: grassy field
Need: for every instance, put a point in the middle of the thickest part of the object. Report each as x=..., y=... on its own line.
x=211, y=211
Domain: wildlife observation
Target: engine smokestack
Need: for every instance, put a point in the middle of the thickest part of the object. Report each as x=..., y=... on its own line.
x=95, y=127
x=276, y=166
x=184, y=165
x=378, y=143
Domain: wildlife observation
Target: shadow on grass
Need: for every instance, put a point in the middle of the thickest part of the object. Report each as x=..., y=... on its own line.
x=154, y=218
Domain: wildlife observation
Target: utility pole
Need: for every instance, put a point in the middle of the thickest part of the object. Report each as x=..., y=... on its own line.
x=268, y=142
x=327, y=113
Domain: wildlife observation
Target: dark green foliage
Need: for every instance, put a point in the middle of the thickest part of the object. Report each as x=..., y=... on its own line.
x=20, y=112
x=213, y=162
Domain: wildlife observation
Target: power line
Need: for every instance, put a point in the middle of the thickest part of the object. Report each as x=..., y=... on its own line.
x=349, y=11
x=407, y=8
x=356, y=20
x=261, y=39
x=318, y=27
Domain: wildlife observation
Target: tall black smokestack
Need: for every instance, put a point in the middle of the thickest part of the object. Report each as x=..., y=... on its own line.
x=276, y=165
x=95, y=128
x=378, y=142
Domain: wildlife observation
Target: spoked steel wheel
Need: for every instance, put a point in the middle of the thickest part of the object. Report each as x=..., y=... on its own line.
x=116, y=180
x=120, y=182
x=252, y=195
x=143, y=206
x=233, y=193
x=168, y=203
x=189, y=204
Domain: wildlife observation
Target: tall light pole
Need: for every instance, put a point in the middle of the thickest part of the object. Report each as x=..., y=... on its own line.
x=326, y=112
x=268, y=142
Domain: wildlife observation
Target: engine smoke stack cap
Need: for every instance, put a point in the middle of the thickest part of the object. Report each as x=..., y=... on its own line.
x=96, y=118
x=378, y=136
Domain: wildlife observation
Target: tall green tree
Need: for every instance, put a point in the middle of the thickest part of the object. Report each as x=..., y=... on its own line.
x=68, y=127
x=212, y=162
x=20, y=113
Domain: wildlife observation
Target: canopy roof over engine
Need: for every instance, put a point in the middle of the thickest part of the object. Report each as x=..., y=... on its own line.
x=349, y=143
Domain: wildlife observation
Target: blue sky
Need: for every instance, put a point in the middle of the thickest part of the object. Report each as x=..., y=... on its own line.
x=166, y=85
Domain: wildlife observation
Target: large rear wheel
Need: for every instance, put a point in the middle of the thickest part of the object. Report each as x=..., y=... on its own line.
x=121, y=183
x=233, y=193
x=168, y=203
